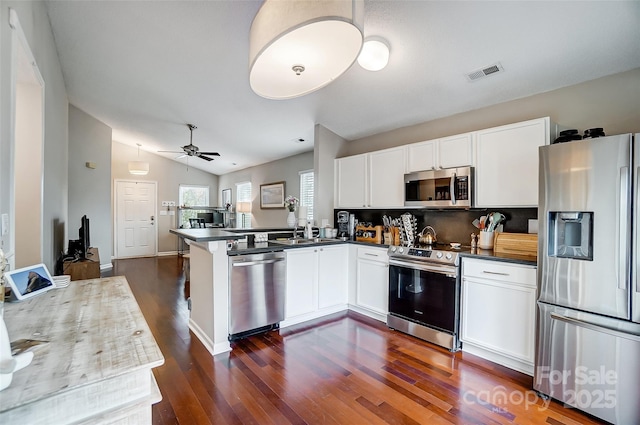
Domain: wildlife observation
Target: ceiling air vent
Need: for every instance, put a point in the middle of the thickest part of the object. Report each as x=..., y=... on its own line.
x=481, y=73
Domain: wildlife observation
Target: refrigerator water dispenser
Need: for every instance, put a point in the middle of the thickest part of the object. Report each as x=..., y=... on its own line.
x=571, y=235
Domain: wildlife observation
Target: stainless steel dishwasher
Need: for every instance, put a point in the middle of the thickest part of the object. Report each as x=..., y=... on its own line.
x=256, y=293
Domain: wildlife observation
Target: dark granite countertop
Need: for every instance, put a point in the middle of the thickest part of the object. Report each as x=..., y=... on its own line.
x=207, y=235
x=244, y=248
x=485, y=254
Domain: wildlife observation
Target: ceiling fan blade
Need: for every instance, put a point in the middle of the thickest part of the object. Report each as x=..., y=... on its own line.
x=206, y=158
x=171, y=151
x=210, y=153
x=181, y=156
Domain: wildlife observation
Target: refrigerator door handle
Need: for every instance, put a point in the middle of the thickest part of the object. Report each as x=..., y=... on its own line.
x=594, y=327
x=623, y=229
x=636, y=237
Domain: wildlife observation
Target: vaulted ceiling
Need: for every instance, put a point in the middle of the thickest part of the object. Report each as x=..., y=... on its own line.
x=147, y=68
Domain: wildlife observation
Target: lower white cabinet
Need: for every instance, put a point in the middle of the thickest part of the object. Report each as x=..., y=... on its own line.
x=372, y=282
x=498, y=312
x=316, y=282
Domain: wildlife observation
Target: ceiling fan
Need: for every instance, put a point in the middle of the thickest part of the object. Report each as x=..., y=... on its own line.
x=193, y=150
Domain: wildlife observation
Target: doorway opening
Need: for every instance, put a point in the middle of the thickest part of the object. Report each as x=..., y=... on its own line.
x=27, y=144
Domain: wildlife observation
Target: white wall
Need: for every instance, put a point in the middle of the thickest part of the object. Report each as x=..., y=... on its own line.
x=286, y=169
x=90, y=189
x=611, y=102
x=169, y=175
x=35, y=23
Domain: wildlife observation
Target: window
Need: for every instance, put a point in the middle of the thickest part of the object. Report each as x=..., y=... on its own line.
x=243, y=205
x=192, y=196
x=306, y=192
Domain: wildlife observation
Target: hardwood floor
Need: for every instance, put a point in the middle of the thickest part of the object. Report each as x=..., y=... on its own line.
x=343, y=369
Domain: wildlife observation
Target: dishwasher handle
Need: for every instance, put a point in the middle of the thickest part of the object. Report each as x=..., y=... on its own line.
x=255, y=263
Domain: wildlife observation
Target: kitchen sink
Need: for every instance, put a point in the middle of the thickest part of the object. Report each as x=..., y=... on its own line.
x=301, y=241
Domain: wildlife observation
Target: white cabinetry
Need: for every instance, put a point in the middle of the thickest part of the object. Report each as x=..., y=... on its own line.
x=372, y=283
x=507, y=163
x=351, y=182
x=302, y=282
x=448, y=152
x=316, y=282
x=332, y=276
x=386, y=178
x=498, y=312
x=371, y=180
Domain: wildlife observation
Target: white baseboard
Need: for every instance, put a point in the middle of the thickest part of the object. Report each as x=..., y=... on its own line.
x=313, y=315
x=106, y=266
x=221, y=347
x=167, y=253
x=369, y=313
x=501, y=359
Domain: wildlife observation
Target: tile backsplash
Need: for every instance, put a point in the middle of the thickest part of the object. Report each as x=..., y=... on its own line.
x=450, y=225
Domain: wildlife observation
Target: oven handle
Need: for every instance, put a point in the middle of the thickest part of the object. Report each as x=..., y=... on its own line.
x=445, y=270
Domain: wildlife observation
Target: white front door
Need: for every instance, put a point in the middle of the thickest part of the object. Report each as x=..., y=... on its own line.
x=136, y=234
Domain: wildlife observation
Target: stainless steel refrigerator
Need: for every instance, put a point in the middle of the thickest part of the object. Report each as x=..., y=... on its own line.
x=588, y=321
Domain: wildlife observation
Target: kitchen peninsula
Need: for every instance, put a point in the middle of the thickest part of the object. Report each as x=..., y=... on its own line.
x=209, y=287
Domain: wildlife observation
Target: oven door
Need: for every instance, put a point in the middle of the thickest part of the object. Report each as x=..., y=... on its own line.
x=423, y=293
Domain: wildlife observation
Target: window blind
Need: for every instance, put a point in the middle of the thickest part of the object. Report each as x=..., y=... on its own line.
x=243, y=194
x=306, y=192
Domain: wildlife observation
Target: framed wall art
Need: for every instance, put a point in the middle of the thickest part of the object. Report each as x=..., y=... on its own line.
x=272, y=195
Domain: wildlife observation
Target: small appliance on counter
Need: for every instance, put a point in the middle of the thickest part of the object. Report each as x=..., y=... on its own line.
x=371, y=234
x=343, y=224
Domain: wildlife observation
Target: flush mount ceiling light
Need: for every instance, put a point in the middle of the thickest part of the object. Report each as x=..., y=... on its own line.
x=138, y=168
x=299, y=46
x=374, y=55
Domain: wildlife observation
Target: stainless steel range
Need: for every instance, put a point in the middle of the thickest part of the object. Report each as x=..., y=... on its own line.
x=424, y=293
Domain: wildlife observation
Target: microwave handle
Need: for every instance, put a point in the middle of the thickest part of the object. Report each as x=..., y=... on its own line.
x=452, y=187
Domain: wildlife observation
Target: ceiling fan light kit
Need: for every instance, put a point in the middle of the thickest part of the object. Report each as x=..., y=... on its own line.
x=138, y=168
x=297, y=47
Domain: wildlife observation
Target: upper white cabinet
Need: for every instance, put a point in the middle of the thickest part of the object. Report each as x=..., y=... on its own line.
x=386, y=178
x=371, y=180
x=422, y=156
x=507, y=163
x=351, y=182
x=448, y=152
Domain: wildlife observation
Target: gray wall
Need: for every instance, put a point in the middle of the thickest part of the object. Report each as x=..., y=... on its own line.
x=90, y=189
x=286, y=169
x=35, y=23
x=611, y=102
x=169, y=175
x=326, y=147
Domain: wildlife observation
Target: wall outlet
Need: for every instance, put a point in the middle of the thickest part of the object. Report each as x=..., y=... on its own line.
x=163, y=212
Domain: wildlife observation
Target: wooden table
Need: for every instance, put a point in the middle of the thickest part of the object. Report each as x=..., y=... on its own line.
x=96, y=367
x=88, y=268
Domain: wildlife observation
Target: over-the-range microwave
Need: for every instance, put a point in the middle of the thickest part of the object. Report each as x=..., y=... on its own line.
x=446, y=188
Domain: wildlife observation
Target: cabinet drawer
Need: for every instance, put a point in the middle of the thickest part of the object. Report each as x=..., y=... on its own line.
x=374, y=254
x=500, y=271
